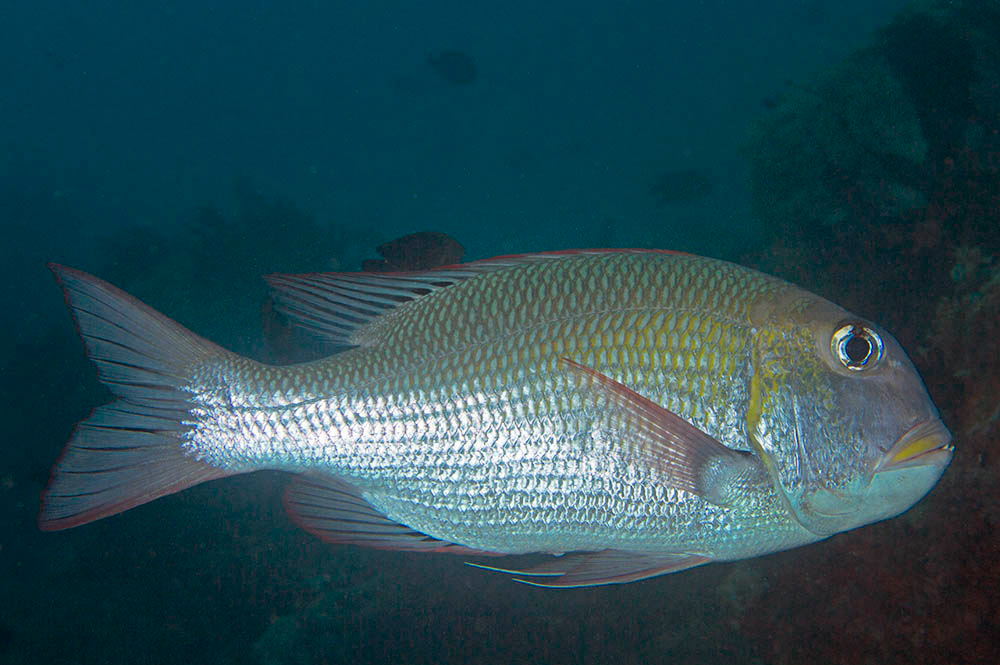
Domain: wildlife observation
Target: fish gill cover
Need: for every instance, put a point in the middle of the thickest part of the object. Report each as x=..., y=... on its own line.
x=886, y=170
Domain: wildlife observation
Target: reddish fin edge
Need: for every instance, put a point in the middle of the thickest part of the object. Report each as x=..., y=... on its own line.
x=131, y=451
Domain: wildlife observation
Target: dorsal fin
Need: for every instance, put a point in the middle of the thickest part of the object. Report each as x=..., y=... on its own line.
x=337, y=306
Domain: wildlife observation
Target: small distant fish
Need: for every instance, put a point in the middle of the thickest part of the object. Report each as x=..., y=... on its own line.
x=455, y=67
x=636, y=412
x=416, y=251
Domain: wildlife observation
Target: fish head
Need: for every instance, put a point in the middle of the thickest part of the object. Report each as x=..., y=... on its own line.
x=841, y=418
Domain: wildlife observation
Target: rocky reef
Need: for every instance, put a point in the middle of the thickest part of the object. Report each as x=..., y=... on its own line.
x=879, y=183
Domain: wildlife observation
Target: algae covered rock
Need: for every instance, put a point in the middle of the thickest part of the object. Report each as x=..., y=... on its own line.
x=872, y=109
x=878, y=182
x=852, y=128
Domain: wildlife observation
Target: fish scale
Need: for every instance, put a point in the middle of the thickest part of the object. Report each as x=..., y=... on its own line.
x=656, y=409
x=652, y=335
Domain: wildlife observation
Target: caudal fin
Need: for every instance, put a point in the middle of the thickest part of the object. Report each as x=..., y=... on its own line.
x=128, y=452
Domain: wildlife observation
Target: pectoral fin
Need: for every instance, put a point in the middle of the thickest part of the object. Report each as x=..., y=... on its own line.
x=683, y=455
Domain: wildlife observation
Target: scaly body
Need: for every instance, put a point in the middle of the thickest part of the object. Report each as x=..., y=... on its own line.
x=469, y=410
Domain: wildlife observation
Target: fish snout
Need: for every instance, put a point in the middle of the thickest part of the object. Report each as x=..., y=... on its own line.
x=927, y=443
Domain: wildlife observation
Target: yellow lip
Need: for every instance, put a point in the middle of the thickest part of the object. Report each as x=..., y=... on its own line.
x=926, y=443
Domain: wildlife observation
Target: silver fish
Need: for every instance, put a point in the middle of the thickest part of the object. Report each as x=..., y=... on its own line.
x=636, y=412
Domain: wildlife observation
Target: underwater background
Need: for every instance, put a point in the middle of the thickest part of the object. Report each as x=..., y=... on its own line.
x=182, y=150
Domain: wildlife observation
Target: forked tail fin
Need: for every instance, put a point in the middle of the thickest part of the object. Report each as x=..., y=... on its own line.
x=131, y=451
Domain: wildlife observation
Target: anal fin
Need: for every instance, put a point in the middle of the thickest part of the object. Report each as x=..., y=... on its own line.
x=335, y=512
x=584, y=569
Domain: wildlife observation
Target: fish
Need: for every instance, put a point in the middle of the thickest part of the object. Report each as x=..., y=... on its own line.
x=416, y=251
x=631, y=412
x=455, y=67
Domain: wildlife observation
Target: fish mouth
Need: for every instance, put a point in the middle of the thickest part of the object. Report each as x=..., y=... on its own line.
x=926, y=444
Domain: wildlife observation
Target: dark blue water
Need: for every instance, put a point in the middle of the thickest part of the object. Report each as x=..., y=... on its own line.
x=181, y=150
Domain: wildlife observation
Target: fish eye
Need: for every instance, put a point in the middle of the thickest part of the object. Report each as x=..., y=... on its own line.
x=856, y=346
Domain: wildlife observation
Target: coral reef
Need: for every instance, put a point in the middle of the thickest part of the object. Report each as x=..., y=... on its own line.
x=861, y=128
x=964, y=343
x=893, y=209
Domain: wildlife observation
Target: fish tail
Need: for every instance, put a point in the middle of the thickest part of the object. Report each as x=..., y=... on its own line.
x=128, y=452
